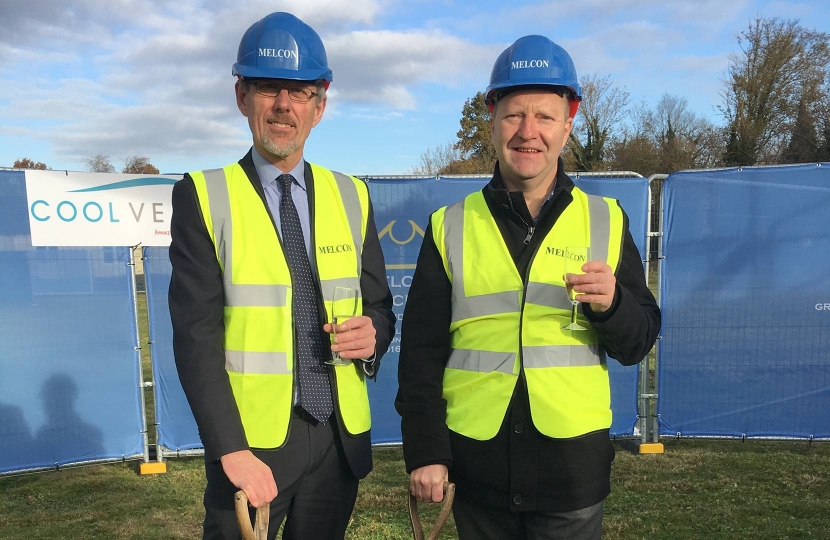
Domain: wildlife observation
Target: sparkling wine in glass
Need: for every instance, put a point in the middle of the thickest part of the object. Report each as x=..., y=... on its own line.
x=343, y=307
x=575, y=257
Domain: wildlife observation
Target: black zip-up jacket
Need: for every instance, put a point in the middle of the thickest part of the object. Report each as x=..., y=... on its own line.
x=197, y=303
x=519, y=468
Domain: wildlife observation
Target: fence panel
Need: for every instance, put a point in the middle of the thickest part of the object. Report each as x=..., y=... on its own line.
x=69, y=383
x=746, y=303
x=176, y=427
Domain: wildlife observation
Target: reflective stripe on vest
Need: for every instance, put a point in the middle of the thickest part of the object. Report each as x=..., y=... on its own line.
x=499, y=326
x=259, y=339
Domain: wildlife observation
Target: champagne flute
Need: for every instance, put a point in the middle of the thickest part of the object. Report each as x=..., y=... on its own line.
x=343, y=307
x=575, y=257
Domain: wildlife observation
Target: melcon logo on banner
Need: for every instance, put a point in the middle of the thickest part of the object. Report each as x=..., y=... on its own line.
x=99, y=209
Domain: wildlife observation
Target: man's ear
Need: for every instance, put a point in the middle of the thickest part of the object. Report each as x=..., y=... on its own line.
x=318, y=113
x=241, y=90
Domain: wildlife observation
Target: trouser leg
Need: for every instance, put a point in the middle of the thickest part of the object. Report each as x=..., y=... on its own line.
x=316, y=490
x=583, y=524
x=474, y=521
x=323, y=503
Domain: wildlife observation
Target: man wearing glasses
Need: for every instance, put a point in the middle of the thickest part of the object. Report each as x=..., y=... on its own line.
x=254, y=270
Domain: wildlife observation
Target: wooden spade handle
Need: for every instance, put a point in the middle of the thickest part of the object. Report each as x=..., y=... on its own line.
x=446, y=507
x=263, y=514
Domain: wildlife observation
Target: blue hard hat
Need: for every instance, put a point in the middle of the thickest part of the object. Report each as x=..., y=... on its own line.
x=281, y=46
x=534, y=61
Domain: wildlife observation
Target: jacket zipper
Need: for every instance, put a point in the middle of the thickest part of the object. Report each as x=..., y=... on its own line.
x=530, y=228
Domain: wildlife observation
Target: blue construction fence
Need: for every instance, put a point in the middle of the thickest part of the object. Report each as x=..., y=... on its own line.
x=69, y=364
x=745, y=289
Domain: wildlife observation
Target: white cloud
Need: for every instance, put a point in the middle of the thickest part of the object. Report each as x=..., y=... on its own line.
x=10, y=55
x=382, y=66
x=84, y=118
x=15, y=131
x=165, y=130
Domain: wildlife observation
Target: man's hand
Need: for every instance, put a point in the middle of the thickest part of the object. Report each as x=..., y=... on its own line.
x=597, y=285
x=427, y=483
x=354, y=338
x=251, y=475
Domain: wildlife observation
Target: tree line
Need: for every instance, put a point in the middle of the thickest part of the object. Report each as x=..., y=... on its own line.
x=98, y=163
x=775, y=102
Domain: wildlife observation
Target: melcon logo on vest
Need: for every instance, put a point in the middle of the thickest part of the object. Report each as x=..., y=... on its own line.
x=278, y=53
x=342, y=248
x=522, y=64
x=559, y=252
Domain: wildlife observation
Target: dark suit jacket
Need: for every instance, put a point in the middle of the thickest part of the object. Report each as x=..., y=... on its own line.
x=197, y=302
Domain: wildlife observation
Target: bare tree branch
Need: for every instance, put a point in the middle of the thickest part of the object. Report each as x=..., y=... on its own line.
x=99, y=163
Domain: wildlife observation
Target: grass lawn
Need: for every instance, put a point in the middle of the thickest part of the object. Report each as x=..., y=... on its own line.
x=696, y=490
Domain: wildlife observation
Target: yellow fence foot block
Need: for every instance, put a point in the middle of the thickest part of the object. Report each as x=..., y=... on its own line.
x=153, y=467
x=651, y=448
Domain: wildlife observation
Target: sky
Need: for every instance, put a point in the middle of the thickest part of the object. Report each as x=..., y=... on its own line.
x=153, y=78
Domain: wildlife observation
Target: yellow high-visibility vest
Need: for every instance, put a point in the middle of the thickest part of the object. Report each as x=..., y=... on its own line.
x=259, y=337
x=500, y=326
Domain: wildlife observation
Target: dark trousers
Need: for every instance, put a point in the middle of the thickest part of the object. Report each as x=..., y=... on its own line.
x=316, y=488
x=477, y=522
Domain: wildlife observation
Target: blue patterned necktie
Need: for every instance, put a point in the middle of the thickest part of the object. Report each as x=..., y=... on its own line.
x=312, y=374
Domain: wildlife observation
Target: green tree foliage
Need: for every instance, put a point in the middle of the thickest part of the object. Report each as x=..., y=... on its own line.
x=775, y=79
x=805, y=144
x=471, y=153
x=474, y=135
x=26, y=163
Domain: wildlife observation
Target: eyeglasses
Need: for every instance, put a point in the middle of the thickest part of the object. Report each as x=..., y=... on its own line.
x=297, y=94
